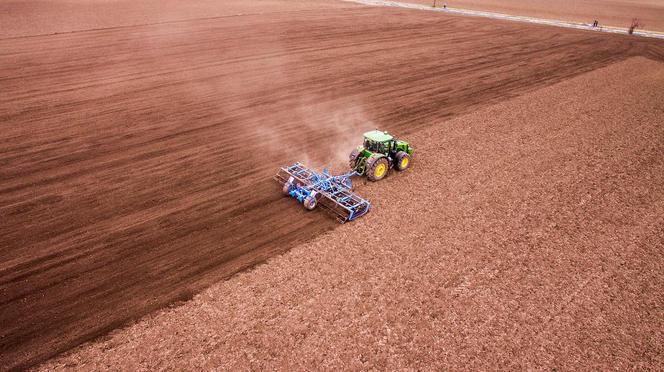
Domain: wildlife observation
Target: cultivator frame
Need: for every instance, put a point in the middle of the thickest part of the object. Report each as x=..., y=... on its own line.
x=331, y=192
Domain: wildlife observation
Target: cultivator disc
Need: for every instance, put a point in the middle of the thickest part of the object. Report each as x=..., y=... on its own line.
x=312, y=189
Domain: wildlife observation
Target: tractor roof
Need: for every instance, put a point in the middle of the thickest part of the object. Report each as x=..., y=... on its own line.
x=378, y=136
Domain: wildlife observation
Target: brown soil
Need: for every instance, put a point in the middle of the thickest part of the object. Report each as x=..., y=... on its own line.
x=527, y=235
x=136, y=161
x=39, y=17
x=618, y=13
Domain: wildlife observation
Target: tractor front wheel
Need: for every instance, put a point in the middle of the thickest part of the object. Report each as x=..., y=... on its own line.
x=377, y=168
x=402, y=161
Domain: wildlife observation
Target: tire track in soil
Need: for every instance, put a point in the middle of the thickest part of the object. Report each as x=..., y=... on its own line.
x=136, y=163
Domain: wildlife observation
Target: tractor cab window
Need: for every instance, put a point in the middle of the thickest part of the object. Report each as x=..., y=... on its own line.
x=374, y=146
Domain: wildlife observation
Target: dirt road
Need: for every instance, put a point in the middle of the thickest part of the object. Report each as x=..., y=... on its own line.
x=136, y=161
x=617, y=13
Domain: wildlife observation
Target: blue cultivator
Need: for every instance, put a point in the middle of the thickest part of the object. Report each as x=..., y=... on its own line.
x=331, y=192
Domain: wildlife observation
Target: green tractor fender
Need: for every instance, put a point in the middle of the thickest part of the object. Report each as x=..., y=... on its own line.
x=404, y=146
x=375, y=156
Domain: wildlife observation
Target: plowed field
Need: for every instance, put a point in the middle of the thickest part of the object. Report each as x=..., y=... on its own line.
x=136, y=160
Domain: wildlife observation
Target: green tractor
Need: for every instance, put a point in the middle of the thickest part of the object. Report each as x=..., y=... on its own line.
x=379, y=153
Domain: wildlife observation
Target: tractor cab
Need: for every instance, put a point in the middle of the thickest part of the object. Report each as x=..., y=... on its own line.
x=378, y=142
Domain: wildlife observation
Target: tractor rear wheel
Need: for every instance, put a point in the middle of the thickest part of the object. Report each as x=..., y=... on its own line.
x=402, y=161
x=377, y=168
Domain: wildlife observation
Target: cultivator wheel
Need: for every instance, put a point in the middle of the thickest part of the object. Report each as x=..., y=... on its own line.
x=377, y=168
x=402, y=161
x=287, y=187
x=310, y=202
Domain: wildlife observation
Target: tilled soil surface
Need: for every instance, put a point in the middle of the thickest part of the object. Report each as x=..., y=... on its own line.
x=38, y=17
x=137, y=161
x=617, y=13
x=529, y=234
